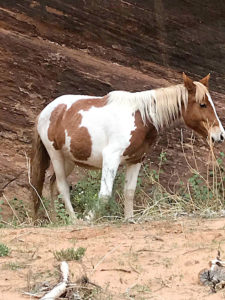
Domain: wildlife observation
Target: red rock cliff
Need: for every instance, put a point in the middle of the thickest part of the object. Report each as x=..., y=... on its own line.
x=54, y=47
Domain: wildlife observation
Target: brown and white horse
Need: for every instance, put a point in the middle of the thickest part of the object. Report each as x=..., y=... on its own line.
x=119, y=128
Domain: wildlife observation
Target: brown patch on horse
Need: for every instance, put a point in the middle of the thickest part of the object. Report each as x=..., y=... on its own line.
x=56, y=132
x=141, y=140
x=62, y=120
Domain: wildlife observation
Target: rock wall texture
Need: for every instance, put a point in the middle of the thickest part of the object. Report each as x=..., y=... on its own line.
x=54, y=47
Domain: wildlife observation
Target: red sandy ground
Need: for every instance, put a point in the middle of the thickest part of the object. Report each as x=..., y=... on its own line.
x=154, y=260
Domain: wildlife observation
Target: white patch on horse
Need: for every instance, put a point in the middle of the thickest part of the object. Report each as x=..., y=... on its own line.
x=108, y=152
x=108, y=121
x=214, y=109
x=66, y=147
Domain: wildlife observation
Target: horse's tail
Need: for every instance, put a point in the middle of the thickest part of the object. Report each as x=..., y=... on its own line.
x=39, y=163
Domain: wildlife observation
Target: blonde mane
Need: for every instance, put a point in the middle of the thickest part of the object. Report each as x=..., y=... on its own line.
x=161, y=106
x=201, y=91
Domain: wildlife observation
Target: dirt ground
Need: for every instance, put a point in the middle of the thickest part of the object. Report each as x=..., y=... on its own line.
x=154, y=260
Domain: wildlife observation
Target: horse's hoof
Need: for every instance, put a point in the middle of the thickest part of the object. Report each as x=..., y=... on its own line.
x=81, y=222
x=73, y=219
x=78, y=222
x=130, y=220
x=90, y=216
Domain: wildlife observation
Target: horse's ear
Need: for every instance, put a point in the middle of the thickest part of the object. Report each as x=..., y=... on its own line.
x=205, y=80
x=188, y=82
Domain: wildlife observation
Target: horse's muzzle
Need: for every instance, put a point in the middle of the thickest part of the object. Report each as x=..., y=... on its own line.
x=218, y=137
x=217, y=133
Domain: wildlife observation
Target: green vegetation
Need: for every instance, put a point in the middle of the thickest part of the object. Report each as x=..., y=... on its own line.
x=13, y=266
x=20, y=209
x=4, y=250
x=203, y=193
x=70, y=254
x=84, y=197
x=198, y=195
x=61, y=213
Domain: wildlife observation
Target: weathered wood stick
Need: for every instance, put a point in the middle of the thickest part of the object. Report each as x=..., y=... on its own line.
x=60, y=288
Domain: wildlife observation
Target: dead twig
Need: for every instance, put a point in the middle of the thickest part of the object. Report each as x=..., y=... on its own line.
x=156, y=251
x=32, y=295
x=194, y=250
x=18, y=236
x=133, y=268
x=10, y=181
x=116, y=269
x=215, y=276
x=60, y=288
x=104, y=257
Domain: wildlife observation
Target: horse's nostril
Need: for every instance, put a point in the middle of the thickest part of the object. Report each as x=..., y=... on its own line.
x=213, y=139
x=221, y=137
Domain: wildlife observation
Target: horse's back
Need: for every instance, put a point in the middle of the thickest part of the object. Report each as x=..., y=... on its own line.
x=67, y=100
x=82, y=126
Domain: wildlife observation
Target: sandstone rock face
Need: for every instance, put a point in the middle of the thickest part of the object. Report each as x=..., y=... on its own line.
x=54, y=47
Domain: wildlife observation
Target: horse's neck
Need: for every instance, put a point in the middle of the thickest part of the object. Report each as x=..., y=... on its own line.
x=161, y=107
x=169, y=103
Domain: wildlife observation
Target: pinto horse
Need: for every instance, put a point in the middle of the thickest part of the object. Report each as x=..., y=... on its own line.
x=119, y=128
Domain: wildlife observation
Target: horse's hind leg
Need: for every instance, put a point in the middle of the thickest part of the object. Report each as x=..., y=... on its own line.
x=129, y=189
x=62, y=169
x=69, y=166
x=54, y=195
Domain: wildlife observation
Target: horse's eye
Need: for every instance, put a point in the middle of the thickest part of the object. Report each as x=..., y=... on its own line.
x=203, y=105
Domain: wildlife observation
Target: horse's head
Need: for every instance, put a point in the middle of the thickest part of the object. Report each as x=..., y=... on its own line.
x=200, y=113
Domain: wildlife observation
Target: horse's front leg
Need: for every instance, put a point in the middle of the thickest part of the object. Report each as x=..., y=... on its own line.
x=111, y=161
x=129, y=189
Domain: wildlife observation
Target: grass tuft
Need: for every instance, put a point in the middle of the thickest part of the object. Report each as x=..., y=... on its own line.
x=70, y=254
x=4, y=250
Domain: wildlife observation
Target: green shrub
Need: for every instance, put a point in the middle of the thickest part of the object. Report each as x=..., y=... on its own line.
x=61, y=212
x=4, y=250
x=70, y=254
x=84, y=197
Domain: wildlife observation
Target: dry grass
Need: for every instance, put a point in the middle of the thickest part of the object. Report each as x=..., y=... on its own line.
x=202, y=194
